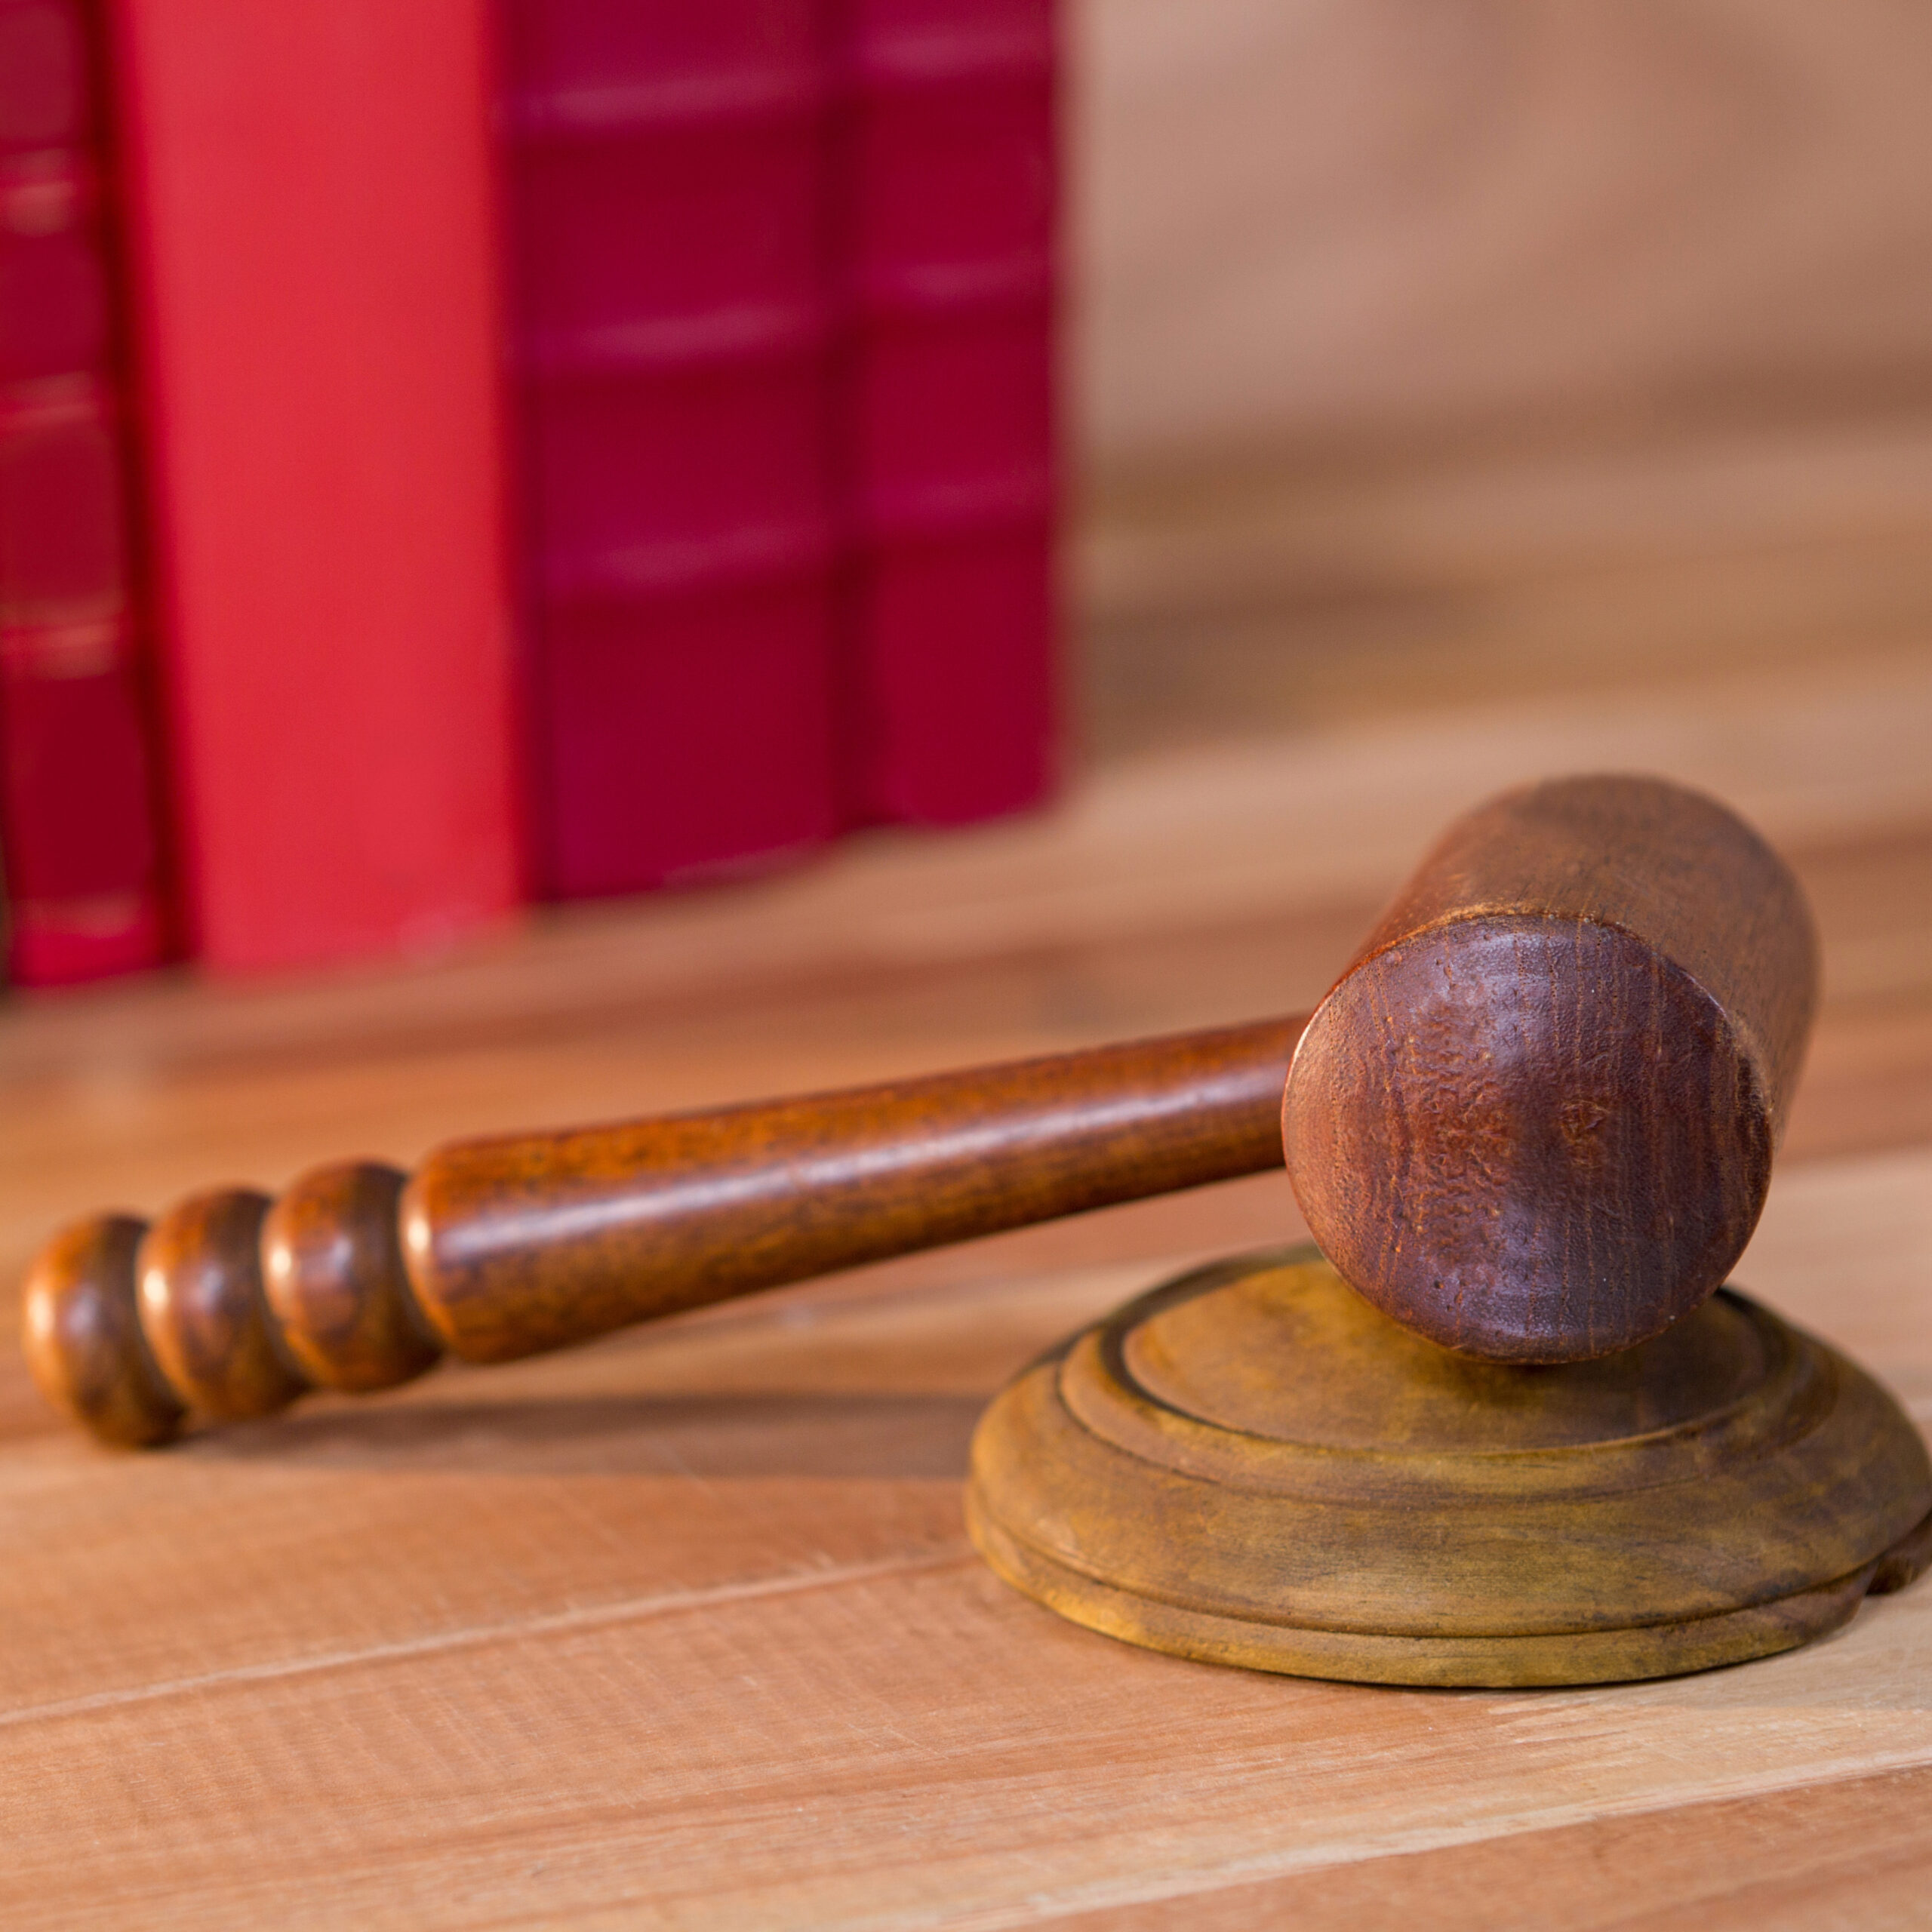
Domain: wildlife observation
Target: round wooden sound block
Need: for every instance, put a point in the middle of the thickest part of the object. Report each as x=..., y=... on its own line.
x=1253, y=1466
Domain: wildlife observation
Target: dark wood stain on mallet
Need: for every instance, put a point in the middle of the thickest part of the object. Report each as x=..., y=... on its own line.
x=1534, y=1120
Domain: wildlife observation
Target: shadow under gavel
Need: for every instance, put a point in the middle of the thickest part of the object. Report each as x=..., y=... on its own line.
x=1533, y=1120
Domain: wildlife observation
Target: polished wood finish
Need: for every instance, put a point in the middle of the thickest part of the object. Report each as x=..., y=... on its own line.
x=198, y=1276
x=1534, y=1119
x=333, y=1275
x=81, y=1333
x=529, y=1243
x=1553, y=1158
x=1252, y=1466
x=357, y=1279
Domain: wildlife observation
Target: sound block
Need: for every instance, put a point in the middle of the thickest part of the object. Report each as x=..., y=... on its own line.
x=1252, y=1466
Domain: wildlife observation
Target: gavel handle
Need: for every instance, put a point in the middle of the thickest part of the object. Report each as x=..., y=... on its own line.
x=357, y=1278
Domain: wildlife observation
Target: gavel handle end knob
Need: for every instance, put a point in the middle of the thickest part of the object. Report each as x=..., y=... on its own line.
x=229, y=1306
x=81, y=1333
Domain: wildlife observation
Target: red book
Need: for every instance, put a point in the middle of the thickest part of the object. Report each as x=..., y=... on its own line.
x=78, y=799
x=667, y=180
x=949, y=232
x=314, y=241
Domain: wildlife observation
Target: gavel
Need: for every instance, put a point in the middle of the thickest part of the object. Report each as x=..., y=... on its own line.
x=1533, y=1120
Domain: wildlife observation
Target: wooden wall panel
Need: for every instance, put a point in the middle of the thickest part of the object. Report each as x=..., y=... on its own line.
x=1343, y=222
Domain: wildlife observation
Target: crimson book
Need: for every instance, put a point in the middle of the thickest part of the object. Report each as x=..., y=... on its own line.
x=672, y=333
x=79, y=794
x=948, y=250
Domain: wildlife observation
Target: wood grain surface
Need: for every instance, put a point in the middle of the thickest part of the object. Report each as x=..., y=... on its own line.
x=682, y=1629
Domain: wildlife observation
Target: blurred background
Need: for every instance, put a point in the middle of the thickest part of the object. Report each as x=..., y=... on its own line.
x=1484, y=349
x=658, y=553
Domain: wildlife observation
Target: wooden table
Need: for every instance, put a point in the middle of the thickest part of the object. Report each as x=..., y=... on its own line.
x=682, y=1629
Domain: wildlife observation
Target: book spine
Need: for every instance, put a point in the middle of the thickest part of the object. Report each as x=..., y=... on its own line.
x=78, y=796
x=314, y=244
x=949, y=227
x=667, y=208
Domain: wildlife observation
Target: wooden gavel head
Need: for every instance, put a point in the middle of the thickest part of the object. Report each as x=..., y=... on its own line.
x=1533, y=1120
